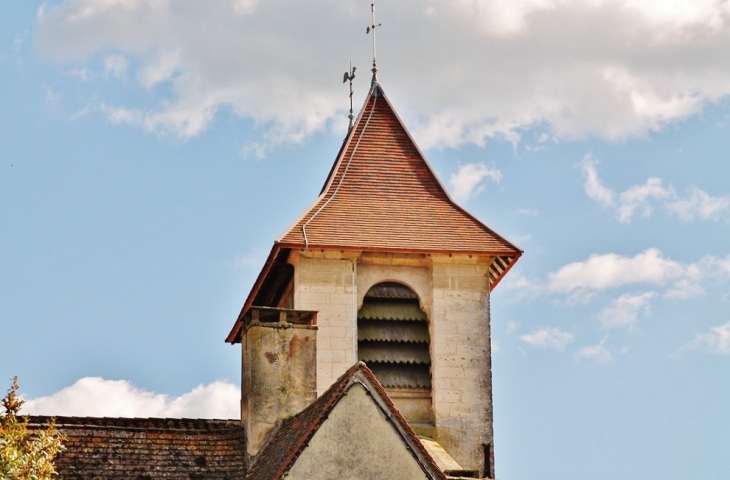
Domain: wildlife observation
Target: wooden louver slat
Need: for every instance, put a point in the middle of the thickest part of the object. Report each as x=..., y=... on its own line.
x=393, y=337
x=396, y=331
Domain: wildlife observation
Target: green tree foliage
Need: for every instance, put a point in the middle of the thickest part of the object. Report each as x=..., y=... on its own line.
x=25, y=454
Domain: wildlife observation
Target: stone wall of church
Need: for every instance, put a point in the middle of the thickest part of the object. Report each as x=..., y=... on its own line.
x=461, y=371
x=325, y=282
x=454, y=293
x=356, y=441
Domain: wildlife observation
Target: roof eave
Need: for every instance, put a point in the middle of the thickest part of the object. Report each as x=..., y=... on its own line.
x=426, y=251
x=233, y=335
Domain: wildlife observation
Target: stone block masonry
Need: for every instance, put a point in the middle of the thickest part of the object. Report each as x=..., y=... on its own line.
x=453, y=291
x=325, y=282
x=461, y=372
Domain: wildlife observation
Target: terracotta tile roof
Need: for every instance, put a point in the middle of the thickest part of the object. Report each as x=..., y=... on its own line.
x=147, y=448
x=382, y=195
x=291, y=437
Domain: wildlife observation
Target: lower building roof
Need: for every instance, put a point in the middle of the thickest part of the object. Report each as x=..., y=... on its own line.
x=147, y=448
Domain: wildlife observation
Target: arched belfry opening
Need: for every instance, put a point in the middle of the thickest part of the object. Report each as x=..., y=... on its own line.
x=393, y=340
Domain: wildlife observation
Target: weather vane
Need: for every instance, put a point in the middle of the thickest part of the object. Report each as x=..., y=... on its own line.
x=367, y=31
x=350, y=75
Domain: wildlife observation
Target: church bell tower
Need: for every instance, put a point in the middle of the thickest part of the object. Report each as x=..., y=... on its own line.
x=387, y=269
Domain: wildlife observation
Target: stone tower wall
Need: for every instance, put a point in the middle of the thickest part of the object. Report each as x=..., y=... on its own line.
x=461, y=356
x=454, y=293
x=325, y=282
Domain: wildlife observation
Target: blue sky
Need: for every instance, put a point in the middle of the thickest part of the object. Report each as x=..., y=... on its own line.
x=151, y=151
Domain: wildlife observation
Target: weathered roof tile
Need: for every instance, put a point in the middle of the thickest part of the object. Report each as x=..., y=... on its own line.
x=110, y=448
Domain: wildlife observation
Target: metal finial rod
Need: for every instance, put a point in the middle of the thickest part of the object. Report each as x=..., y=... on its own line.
x=350, y=75
x=372, y=27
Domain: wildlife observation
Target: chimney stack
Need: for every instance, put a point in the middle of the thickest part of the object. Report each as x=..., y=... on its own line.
x=279, y=374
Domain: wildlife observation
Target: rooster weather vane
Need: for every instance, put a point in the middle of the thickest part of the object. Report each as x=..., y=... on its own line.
x=350, y=75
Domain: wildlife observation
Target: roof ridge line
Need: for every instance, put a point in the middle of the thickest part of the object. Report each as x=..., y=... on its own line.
x=333, y=170
x=347, y=167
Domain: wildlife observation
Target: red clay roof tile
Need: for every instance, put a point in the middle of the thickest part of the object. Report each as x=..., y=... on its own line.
x=382, y=195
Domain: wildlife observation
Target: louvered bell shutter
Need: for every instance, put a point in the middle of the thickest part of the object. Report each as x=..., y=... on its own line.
x=393, y=337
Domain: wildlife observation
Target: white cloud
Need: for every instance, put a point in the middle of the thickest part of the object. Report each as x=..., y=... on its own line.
x=612, y=68
x=97, y=397
x=580, y=280
x=699, y=204
x=625, y=309
x=642, y=199
x=185, y=121
x=716, y=341
x=544, y=137
x=116, y=66
x=598, y=353
x=551, y=338
x=162, y=67
x=593, y=185
x=611, y=270
x=468, y=179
